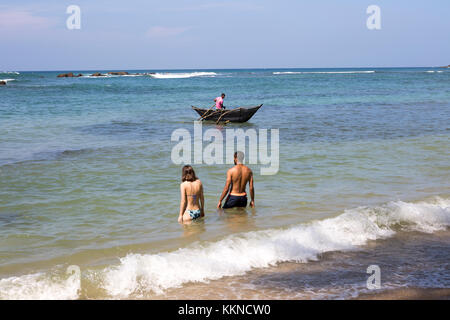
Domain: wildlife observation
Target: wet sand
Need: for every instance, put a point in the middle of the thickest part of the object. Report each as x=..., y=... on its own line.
x=408, y=294
x=414, y=266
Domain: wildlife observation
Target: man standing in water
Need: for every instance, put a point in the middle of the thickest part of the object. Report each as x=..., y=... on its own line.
x=219, y=102
x=237, y=179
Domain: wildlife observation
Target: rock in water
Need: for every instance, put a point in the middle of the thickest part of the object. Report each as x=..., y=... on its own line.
x=118, y=73
x=2, y=83
x=65, y=75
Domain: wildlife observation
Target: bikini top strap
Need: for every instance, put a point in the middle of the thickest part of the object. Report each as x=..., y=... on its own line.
x=191, y=195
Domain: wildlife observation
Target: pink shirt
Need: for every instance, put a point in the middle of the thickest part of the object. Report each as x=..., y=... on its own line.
x=219, y=103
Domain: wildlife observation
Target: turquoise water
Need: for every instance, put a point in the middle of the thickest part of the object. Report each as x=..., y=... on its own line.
x=86, y=176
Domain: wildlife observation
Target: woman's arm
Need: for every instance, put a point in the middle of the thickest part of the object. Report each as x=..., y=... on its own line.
x=182, y=203
x=202, y=200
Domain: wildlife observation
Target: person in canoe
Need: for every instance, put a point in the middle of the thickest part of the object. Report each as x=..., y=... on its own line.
x=219, y=101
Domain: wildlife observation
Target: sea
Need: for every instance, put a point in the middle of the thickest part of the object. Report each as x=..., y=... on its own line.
x=89, y=189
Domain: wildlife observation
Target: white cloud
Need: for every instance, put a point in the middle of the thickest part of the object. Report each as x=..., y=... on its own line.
x=22, y=19
x=239, y=5
x=159, y=31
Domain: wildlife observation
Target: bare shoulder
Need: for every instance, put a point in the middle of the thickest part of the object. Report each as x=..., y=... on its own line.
x=231, y=170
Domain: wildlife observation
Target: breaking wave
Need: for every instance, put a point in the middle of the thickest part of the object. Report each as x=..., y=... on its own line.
x=322, y=72
x=39, y=286
x=182, y=75
x=139, y=274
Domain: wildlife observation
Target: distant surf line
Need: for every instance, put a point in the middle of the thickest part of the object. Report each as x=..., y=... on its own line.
x=321, y=72
x=182, y=75
x=161, y=75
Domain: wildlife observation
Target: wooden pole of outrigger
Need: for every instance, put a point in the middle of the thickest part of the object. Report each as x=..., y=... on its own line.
x=202, y=117
x=218, y=120
x=205, y=117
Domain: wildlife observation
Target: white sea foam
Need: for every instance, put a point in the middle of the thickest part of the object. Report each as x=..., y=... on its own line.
x=287, y=72
x=322, y=72
x=157, y=75
x=238, y=254
x=99, y=77
x=7, y=80
x=10, y=72
x=112, y=75
x=39, y=286
x=139, y=274
x=182, y=75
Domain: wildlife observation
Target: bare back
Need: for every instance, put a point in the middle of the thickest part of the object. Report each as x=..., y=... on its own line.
x=240, y=176
x=193, y=192
x=237, y=179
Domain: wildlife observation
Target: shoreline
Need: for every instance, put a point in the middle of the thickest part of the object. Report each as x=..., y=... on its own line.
x=333, y=268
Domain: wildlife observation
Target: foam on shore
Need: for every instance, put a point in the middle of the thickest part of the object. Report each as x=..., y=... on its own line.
x=138, y=274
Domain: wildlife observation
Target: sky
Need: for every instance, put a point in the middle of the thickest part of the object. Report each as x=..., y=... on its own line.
x=216, y=34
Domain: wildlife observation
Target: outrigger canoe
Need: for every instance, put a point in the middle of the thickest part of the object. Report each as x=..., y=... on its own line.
x=227, y=115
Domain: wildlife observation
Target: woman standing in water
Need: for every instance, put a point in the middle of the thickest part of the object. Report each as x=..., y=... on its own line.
x=191, y=189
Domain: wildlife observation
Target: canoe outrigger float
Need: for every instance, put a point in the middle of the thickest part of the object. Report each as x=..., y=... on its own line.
x=227, y=115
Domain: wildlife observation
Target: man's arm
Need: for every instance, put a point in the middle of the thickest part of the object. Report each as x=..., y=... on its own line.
x=252, y=191
x=182, y=203
x=225, y=189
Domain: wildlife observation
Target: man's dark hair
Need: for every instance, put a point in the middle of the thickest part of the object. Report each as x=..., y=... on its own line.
x=239, y=156
x=223, y=94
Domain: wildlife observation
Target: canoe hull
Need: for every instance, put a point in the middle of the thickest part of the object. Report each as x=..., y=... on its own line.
x=231, y=115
